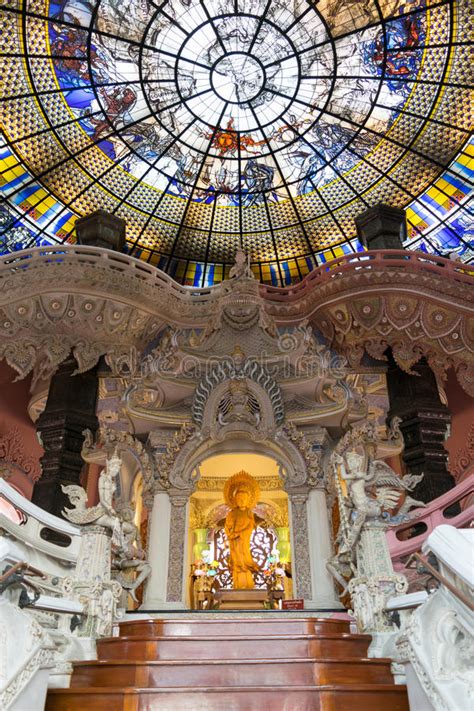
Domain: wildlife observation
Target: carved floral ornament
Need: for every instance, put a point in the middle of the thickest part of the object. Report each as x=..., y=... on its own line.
x=41, y=355
x=268, y=483
x=463, y=458
x=417, y=309
x=39, y=332
x=170, y=458
x=313, y=474
x=412, y=326
x=13, y=457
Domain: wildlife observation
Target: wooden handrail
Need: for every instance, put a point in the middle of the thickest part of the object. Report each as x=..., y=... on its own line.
x=431, y=516
x=441, y=503
x=22, y=565
x=440, y=578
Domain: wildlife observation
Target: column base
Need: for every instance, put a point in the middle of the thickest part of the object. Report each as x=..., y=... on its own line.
x=152, y=605
x=324, y=603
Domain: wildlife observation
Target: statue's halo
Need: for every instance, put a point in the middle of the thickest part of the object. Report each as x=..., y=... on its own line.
x=241, y=480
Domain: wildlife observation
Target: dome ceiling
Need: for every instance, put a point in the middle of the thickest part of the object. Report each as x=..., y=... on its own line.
x=265, y=123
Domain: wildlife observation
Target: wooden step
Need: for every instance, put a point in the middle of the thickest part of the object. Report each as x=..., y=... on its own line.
x=331, y=645
x=264, y=672
x=381, y=697
x=232, y=664
x=231, y=626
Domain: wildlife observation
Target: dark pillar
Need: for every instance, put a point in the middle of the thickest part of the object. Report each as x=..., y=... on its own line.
x=70, y=409
x=382, y=227
x=425, y=424
x=72, y=399
x=101, y=229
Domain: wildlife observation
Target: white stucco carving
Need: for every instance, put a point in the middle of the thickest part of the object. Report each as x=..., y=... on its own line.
x=436, y=640
x=368, y=492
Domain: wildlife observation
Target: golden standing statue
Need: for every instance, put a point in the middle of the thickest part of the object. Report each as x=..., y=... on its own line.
x=241, y=493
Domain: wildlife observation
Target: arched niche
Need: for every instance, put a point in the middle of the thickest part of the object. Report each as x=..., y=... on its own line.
x=207, y=512
x=168, y=584
x=292, y=466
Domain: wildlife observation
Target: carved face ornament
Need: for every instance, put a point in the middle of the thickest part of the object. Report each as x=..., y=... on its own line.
x=113, y=466
x=354, y=461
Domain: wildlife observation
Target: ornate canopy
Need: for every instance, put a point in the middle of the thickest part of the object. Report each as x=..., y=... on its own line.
x=262, y=123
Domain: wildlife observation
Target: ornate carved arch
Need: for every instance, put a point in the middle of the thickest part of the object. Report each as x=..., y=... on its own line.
x=227, y=370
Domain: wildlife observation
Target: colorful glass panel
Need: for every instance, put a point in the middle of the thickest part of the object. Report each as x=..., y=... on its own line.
x=263, y=123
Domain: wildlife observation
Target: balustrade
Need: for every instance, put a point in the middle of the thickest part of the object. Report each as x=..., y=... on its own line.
x=407, y=538
x=363, y=262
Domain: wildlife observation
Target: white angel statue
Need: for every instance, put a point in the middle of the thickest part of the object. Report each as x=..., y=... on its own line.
x=103, y=514
x=373, y=490
x=130, y=556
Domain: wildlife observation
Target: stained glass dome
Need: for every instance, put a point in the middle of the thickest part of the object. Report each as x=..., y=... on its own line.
x=269, y=124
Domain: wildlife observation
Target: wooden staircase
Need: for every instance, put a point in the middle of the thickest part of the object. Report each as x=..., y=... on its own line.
x=232, y=664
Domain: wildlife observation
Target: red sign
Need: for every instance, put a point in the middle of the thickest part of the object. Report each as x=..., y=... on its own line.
x=292, y=604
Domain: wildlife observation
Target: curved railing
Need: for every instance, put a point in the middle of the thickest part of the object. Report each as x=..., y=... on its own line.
x=432, y=639
x=374, y=260
x=32, y=259
x=362, y=262
x=426, y=520
x=35, y=529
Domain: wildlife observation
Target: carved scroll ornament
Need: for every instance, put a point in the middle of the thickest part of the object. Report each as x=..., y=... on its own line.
x=12, y=456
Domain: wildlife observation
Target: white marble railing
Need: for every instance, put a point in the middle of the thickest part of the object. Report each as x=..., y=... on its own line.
x=37, y=642
x=35, y=534
x=27, y=657
x=434, y=647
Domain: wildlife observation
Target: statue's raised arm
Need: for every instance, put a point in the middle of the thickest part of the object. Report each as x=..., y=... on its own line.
x=104, y=513
x=108, y=483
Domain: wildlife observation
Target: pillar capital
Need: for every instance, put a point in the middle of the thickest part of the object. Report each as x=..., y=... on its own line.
x=382, y=227
x=180, y=500
x=101, y=229
x=298, y=494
